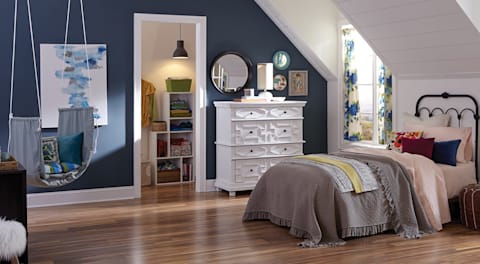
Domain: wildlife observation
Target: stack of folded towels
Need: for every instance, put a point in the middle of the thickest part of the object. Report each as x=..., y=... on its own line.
x=180, y=108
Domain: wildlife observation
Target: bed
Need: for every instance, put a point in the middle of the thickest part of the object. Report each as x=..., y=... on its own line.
x=322, y=199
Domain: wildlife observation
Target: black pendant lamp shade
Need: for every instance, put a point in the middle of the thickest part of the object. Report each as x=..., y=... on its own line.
x=180, y=52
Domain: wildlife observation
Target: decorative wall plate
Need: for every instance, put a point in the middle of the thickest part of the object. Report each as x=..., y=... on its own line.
x=281, y=60
x=279, y=82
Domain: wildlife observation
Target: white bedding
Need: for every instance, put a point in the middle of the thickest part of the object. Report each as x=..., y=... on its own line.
x=457, y=177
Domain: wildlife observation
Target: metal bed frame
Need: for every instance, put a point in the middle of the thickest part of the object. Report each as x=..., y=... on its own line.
x=459, y=114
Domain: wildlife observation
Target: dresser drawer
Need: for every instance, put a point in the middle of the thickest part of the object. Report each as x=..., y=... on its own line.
x=285, y=112
x=274, y=161
x=267, y=112
x=250, y=151
x=286, y=149
x=259, y=151
x=249, y=170
x=250, y=113
x=266, y=132
x=249, y=133
x=285, y=131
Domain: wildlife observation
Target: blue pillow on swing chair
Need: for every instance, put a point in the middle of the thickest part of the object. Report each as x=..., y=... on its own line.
x=70, y=148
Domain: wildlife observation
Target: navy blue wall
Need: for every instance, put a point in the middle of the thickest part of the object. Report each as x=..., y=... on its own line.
x=231, y=25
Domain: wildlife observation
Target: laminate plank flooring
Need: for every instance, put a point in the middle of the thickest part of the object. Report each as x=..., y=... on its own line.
x=173, y=224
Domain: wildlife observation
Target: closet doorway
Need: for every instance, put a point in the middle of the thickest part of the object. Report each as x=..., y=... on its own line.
x=196, y=26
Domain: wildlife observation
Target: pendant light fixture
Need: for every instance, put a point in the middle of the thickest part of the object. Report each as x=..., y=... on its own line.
x=180, y=52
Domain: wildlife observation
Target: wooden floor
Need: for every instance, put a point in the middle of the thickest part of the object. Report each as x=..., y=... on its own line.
x=173, y=224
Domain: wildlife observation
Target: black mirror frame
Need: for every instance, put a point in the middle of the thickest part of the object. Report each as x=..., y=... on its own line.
x=247, y=61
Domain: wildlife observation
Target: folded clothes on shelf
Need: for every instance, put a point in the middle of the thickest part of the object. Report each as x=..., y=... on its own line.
x=182, y=126
x=180, y=113
x=179, y=105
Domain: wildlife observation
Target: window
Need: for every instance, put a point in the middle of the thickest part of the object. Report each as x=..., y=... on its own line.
x=367, y=91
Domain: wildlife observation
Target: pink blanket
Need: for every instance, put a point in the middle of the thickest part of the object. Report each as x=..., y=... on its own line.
x=428, y=181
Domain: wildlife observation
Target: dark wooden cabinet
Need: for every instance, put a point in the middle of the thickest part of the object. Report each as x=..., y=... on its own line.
x=13, y=199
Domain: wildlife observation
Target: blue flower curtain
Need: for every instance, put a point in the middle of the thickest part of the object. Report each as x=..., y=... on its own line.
x=352, y=129
x=384, y=97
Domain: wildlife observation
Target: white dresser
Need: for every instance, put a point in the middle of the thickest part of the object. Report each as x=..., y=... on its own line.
x=252, y=137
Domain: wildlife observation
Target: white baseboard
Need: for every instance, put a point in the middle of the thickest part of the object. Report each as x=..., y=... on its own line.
x=80, y=196
x=211, y=186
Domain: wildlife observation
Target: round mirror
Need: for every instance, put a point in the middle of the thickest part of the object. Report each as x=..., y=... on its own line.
x=230, y=72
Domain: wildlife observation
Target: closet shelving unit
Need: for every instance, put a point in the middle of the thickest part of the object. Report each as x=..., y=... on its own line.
x=163, y=149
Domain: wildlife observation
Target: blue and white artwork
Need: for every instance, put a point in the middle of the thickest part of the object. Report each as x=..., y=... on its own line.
x=74, y=76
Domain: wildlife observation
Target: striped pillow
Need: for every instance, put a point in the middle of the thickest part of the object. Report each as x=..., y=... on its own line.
x=55, y=167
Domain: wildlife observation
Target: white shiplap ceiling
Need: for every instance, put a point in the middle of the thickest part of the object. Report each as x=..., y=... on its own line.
x=418, y=38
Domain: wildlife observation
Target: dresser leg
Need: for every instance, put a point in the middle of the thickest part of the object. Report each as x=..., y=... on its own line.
x=232, y=194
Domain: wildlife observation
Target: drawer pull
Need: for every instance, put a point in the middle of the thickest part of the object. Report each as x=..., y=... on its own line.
x=285, y=149
x=251, y=132
x=251, y=170
x=284, y=112
x=251, y=113
x=251, y=150
x=284, y=131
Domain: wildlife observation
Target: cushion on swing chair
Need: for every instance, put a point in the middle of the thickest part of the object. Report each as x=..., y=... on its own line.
x=50, y=149
x=62, y=154
x=60, y=167
x=70, y=148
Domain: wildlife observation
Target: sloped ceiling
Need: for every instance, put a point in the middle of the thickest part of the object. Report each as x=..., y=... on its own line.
x=311, y=25
x=418, y=38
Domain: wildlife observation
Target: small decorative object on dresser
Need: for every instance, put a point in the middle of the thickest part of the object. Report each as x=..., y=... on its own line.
x=249, y=92
x=252, y=137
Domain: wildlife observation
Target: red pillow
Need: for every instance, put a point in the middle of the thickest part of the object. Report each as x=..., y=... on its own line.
x=422, y=146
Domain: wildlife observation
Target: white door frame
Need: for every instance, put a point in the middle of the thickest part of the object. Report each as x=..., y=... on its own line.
x=200, y=94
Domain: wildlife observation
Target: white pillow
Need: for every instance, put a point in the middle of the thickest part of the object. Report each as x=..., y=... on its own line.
x=435, y=121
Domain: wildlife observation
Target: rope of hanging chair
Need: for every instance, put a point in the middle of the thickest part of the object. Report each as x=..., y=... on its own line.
x=67, y=25
x=87, y=59
x=13, y=56
x=37, y=86
x=10, y=113
x=95, y=140
x=14, y=40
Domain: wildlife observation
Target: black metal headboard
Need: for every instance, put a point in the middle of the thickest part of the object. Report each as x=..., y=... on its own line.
x=459, y=114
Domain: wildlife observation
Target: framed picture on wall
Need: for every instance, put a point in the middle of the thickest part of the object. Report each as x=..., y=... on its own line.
x=297, y=83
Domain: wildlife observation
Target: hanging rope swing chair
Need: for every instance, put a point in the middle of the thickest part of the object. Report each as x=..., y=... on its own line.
x=76, y=126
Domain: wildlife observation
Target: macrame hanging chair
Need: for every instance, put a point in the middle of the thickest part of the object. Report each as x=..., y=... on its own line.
x=25, y=135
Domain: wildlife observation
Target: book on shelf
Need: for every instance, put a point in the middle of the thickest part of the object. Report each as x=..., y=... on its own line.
x=187, y=172
x=161, y=148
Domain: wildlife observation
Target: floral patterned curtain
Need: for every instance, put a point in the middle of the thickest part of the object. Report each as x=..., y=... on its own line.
x=384, y=97
x=352, y=129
